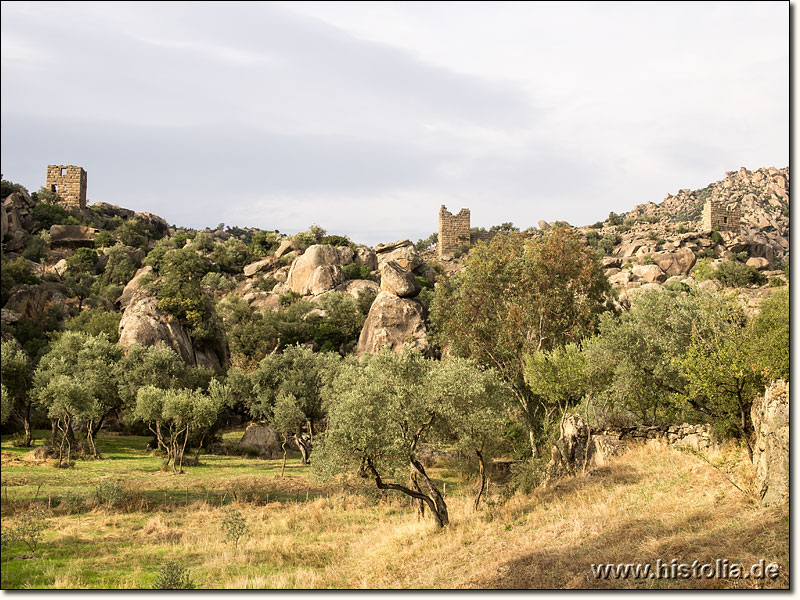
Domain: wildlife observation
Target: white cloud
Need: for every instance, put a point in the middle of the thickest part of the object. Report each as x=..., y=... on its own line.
x=365, y=117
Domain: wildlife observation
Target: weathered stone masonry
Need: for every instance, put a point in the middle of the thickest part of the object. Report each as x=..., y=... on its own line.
x=453, y=231
x=721, y=215
x=69, y=182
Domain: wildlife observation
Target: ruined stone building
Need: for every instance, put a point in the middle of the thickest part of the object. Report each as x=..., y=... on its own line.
x=721, y=215
x=69, y=182
x=453, y=231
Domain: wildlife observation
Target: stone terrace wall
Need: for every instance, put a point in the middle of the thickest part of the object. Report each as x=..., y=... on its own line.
x=69, y=182
x=720, y=215
x=453, y=231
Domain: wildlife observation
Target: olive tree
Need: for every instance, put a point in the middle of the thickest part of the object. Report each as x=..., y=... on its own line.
x=66, y=399
x=287, y=419
x=93, y=362
x=303, y=374
x=379, y=415
x=173, y=415
x=16, y=374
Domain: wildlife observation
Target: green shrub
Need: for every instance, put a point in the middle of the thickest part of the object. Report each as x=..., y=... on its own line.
x=527, y=475
x=614, y=219
x=703, y=269
x=82, y=260
x=96, y=321
x=103, y=239
x=677, y=286
x=598, y=225
x=13, y=273
x=7, y=188
x=29, y=529
x=265, y=284
x=235, y=527
x=52, y=214
x=337, y=240
x=776, y=282
x=173, y=576
x=111, y=492
x=72, y=503
x=716, y=237
x=354, y=271
x=736, y=274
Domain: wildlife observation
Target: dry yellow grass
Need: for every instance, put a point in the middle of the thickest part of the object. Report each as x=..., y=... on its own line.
x=648, y=504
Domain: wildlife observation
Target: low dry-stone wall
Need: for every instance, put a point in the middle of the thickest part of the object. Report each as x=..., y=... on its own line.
x=577, y=450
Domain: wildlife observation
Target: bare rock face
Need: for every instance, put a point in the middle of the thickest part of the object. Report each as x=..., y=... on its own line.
x=262, y=438
x=316, y=271
x=649, y=273
x=346, y=255
x=770, y=414
x=402, y=252
x=427, y=272
x=758, y=262
x=72, y=236
x=264, y=264
x=679, y=262
x=395, y=322
x=284, y=249
x=33, y=301
x=143, y=323
x=16, y=219
x=133, y=286
x=621, y=278
x=544, y=225
x=365, y=257
x=260, y=300
x=398, y=281
x=355, y=286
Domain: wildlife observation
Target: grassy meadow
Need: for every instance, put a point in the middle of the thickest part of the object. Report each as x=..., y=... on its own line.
x=302, y=533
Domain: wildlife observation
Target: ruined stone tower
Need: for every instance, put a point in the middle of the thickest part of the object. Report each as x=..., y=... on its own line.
x=69, y=182
x=453, y=231
x=717, y=214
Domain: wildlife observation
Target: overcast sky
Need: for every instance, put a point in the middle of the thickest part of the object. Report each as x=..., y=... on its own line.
x=365, y=117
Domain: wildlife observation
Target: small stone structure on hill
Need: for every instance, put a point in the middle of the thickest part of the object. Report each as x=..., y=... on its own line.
x=455, y=234
x=721, y=215
x=453, y=231
x=69, y=182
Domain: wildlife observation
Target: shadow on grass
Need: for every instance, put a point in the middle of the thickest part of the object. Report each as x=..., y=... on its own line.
x=702, y=535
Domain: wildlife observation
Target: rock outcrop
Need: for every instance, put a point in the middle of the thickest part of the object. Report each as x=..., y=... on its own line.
x=316, y=271
x=770, y=415
x=16, y=219
x=263, y=440
x=72, y=236
x=403, y=252
x=133, y=286
x=395, y=322
x=365, y=257
x=264, y=264
x=355, y=286
x=143, y=323
x=34, y=301
x=398, y=281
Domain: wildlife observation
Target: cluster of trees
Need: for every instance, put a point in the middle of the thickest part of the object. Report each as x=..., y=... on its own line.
x=528, y=332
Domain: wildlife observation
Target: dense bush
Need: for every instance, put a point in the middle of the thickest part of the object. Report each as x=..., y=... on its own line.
x=52, y=214
x=736, y=274
x=354, y=271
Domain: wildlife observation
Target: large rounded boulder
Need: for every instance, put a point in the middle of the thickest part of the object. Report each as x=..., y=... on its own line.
x=394, y=322
x=316, y=271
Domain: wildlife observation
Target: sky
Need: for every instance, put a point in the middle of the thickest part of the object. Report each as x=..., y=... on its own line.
x=365, y=117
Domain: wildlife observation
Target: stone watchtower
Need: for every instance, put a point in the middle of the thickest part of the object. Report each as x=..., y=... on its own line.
x=69, y=182
x=453, y=231
x=722, y=216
